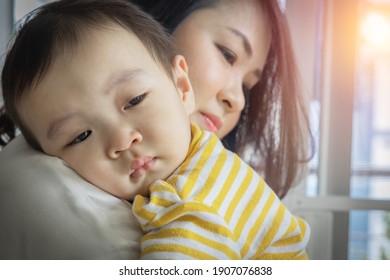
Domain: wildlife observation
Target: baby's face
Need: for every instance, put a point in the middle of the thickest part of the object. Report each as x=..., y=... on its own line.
x=112, y=114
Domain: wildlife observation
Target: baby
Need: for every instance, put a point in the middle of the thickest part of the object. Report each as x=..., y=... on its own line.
x=97, y=84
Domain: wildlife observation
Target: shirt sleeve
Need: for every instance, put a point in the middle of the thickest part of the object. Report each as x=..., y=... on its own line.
x=178, y=228
x=266, y=229
x=289, y=242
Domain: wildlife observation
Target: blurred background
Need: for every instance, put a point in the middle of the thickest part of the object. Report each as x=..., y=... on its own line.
x=343, y=52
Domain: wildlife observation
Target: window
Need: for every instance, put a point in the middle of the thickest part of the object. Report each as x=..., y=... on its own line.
x=346, y=198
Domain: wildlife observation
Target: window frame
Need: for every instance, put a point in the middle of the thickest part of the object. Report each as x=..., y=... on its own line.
x=330, y=77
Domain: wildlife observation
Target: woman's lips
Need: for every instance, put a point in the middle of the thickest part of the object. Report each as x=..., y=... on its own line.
x=141, y=165
x=213, y=123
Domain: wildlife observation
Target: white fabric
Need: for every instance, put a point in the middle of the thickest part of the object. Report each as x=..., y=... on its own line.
x=48, y=212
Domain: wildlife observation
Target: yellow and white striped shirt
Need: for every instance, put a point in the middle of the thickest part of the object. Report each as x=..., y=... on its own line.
x=215, y=206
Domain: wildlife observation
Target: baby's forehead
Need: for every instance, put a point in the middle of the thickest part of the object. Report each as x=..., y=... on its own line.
x=90, y=38
x=90, y=35
x=110, y=42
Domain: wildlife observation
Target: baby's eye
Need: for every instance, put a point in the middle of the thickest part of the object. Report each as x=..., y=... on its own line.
x=228, y=55
x=80, y=138
x=135, y=101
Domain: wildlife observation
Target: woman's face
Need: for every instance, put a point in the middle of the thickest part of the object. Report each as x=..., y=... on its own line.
x=226, y=47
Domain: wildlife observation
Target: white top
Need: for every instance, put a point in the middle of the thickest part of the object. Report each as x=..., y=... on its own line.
x=48, y=212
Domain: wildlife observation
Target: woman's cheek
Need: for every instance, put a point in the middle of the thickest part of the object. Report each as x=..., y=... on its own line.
x=206, y=81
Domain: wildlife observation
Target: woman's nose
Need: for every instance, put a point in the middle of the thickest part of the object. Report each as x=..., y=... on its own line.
x=232, y=98
x=122, y=141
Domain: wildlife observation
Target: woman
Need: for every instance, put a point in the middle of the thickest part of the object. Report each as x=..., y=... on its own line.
x=243, y=72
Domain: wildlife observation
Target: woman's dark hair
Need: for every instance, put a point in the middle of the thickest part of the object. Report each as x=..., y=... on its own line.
x=7, y=128
x=274, y=124
x=58, y=27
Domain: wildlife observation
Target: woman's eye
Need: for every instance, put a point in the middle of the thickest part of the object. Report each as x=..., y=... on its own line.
x=80, y=138
x=135, y=101
x=228, y=55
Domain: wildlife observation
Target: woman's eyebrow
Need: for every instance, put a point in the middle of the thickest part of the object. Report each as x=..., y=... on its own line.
x=245, y=41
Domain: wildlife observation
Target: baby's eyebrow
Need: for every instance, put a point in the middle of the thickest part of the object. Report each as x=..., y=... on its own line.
x=117, y=80
x=123, y=77
x=56, y=124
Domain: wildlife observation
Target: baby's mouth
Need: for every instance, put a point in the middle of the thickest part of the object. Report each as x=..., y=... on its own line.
x=141, y=165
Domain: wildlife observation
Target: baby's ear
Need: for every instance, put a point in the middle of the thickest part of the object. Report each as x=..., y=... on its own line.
x=183, y=83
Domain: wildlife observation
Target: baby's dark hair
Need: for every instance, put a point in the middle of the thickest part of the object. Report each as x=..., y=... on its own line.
x=56, y=28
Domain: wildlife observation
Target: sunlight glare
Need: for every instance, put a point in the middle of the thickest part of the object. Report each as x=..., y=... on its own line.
x=375, y=29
